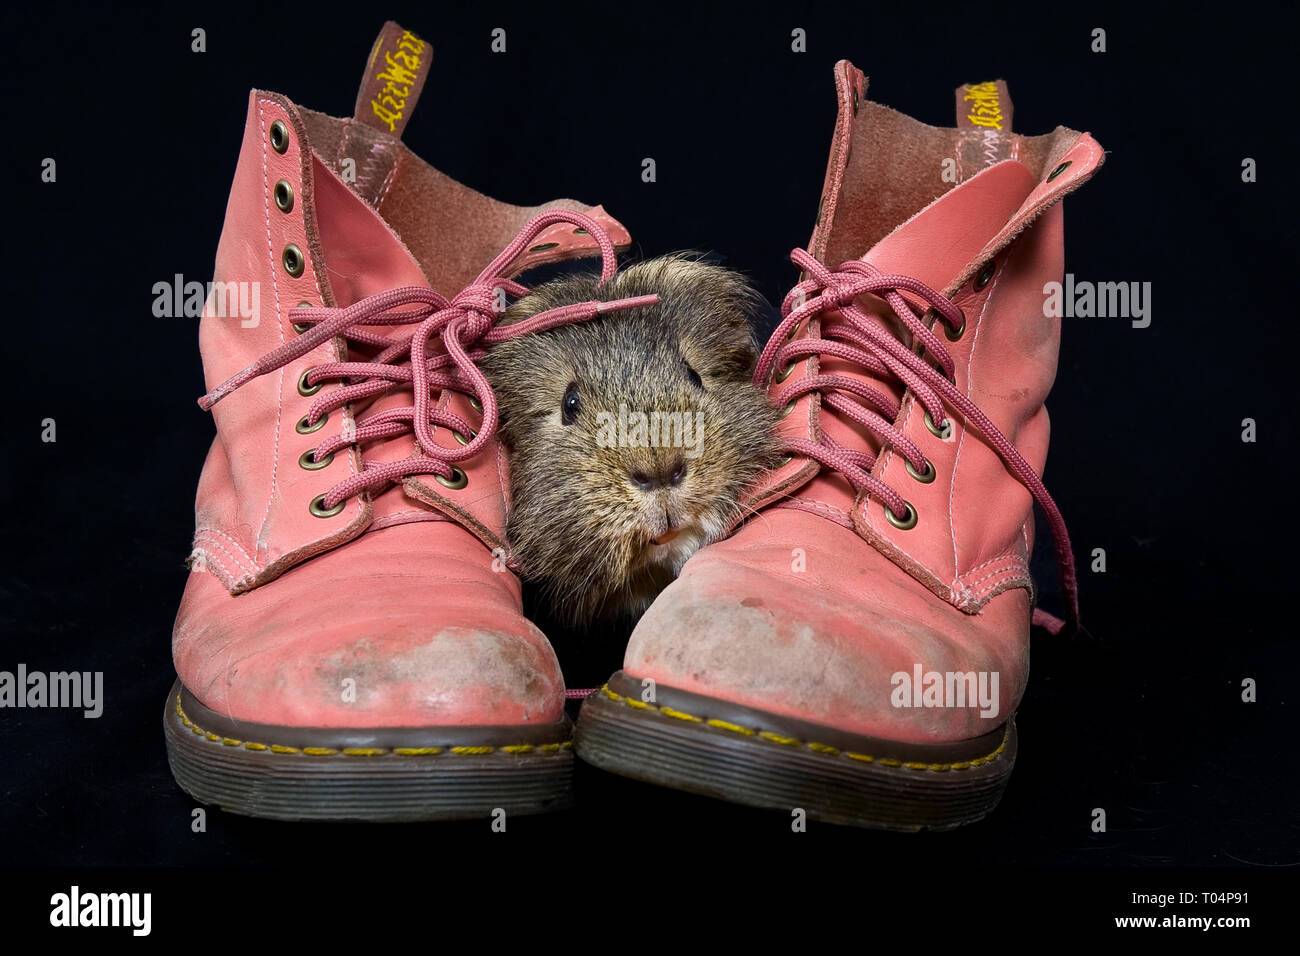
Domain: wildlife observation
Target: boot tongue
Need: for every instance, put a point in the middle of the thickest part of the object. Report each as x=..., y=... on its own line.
x=936, y=246
x=364, y=257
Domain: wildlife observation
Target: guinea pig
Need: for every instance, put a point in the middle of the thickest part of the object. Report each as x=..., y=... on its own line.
x=631, y=435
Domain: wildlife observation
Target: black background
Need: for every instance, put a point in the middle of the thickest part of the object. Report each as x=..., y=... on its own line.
x=1141, y=714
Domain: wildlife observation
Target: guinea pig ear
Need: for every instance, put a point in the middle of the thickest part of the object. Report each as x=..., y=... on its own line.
x=717, y=324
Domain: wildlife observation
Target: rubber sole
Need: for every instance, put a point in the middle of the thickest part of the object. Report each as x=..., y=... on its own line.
x=717, y=749
x=386, y=774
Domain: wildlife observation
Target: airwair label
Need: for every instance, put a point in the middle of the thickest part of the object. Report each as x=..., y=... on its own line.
x=395, y=74
x=985, y=105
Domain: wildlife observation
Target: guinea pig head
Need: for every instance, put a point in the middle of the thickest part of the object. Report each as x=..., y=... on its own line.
x=632, y=435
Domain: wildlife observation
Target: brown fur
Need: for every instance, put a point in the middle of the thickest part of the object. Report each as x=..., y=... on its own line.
x=580, y=524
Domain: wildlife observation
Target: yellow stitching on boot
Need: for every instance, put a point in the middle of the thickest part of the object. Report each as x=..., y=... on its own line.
x=734, y=728
x=360, y=751
x=679, y=714
x=824, y=749
x=630, y=701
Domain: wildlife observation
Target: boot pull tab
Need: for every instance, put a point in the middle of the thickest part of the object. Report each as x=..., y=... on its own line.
x=983, y=127
x=395, y=73
x=984, y=106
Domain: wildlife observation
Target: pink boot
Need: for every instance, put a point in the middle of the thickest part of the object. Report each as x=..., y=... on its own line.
x=349, y=645
x=859, y=647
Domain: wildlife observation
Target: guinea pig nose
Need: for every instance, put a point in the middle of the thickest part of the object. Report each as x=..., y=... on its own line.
x=669, y=475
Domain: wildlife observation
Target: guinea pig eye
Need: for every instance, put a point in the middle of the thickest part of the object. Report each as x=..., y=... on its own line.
x=570, y=407
x=694, y=376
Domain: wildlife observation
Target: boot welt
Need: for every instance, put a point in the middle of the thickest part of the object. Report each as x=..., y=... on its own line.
x=381, y=774
x=743, y=755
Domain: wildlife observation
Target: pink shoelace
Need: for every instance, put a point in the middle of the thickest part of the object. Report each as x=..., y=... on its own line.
x=465, y=325
x=870, y=345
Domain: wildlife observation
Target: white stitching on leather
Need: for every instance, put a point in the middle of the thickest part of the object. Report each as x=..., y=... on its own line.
x=275, y=288
x=217, y=544
x=1015, y=565
x=414, y=512
x=970, y=387
x=819, y=505
x=242, y=560
x=1004, y=556
x=388, y=180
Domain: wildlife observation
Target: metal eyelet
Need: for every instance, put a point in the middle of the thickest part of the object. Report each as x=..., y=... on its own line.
x=784, y=460
x=475, y=404
x=902, y=524
x=985, y=275
x=298, y=326
x=307, y=460
x=794, y=332
x=954, y=334
x=293, y=260
x=543, y=246
x=279, y=136
x=457, y=481
x=306, y=428
x=462, y=439
x=788, y=409
x=785, y=373
x=580, y=232
x=950, y=379
x=303, y=388
x=317, y=507
x=1058, y=170
x=283, y=194
x=924, y=477
x=855, y=101
x=943, y=431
